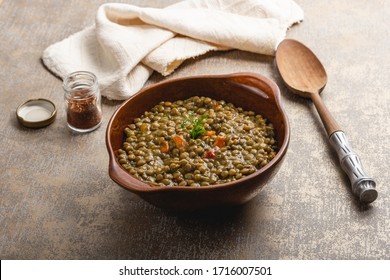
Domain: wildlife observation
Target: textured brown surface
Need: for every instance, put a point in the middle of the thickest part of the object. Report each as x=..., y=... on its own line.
x=57, y=201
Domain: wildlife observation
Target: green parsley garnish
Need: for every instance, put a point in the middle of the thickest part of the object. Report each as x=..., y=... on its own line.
x=197, y=125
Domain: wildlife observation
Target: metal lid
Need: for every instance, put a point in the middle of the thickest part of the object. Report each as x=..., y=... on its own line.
x=36, y=113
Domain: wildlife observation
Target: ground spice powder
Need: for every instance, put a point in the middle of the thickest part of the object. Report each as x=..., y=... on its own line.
x=84, y=112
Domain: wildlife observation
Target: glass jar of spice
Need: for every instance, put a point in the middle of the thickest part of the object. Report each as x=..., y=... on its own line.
x=83, y=102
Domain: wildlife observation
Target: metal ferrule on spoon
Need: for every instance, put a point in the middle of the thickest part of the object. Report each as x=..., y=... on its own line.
x=304, y=74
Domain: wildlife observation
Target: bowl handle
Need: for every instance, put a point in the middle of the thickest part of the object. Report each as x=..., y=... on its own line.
x=122, y=178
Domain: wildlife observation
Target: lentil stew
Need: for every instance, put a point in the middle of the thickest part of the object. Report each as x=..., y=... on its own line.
x=198, y=141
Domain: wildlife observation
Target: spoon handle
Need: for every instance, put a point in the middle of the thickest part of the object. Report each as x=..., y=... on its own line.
x=328, y=120
x=362, y=185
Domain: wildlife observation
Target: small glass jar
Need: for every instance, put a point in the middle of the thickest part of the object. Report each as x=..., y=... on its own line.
x=83, y=102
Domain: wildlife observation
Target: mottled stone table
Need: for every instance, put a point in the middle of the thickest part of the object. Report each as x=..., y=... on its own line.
x=57, y=201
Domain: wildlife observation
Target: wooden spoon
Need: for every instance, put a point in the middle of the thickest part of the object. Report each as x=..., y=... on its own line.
x=304, y=75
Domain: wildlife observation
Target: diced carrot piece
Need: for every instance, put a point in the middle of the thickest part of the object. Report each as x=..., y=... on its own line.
x=209, y=133
x=219, y=142
x=180, y=141
x=164, y=147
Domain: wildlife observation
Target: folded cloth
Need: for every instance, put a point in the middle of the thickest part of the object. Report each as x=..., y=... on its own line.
x=127, y=42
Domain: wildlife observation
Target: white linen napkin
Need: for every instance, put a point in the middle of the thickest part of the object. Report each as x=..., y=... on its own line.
x=127, y=42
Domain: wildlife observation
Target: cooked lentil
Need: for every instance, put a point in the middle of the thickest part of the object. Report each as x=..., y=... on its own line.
x=159, y=149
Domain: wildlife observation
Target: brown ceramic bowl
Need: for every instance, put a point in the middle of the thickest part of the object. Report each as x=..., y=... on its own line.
x=247, y=90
